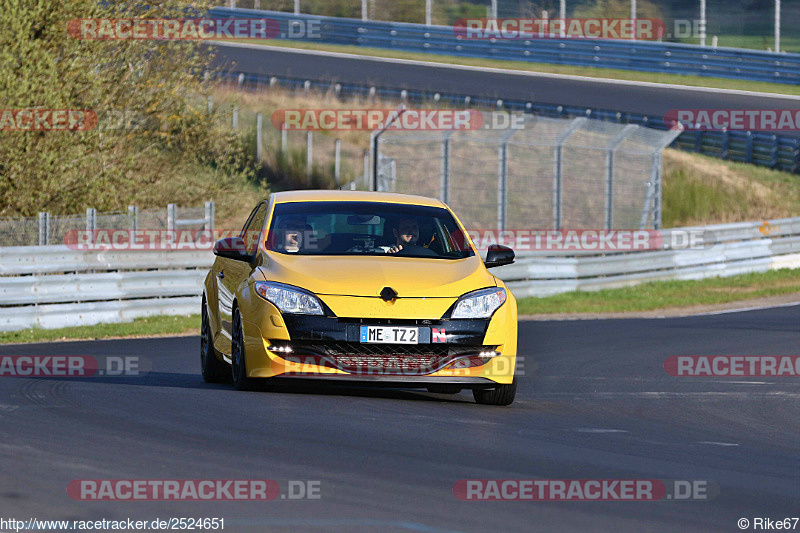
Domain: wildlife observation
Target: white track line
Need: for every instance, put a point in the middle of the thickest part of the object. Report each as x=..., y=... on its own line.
x=527, y=73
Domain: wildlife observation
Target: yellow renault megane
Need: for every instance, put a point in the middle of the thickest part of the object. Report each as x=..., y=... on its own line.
x=359, y=286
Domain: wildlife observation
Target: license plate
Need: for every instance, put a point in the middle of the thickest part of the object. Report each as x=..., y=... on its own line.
x=389, y=335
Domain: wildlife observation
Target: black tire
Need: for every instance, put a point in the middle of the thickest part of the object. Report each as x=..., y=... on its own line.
x=238, y=361
x=213, y=370
x=500, y=395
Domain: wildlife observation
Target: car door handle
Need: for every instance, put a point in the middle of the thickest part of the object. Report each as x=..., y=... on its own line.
x=221, y=275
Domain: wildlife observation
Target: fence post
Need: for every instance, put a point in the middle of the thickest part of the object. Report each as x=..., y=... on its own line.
x=569, y=130
x=44, y=228
x=259, y=120
x=209, y=223
x=284, y=139
x=337, y=153
x=309, y=156
x=236, y=117
x=366, y=171
x=91, y=222
x=241, y=75
x=210, y=104
x=726, y=139
x=133, y=215
x=364, y=10
x=610, y=151
x=256, y=4
x=657, y=201
x=172, y=213
x=502, y=174
x=444, y=183
x=773, y=162
x=748, y=157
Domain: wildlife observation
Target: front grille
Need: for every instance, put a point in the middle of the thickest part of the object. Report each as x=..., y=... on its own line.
x=343, y=348
x=384, y=359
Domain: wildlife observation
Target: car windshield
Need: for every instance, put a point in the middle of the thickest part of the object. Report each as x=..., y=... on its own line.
x=366, y=228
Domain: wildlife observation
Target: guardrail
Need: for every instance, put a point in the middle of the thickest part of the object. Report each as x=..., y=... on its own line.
x=645, y=56
x=94, y=287
x=770, y=150
x=55, y=286
x=731, y=249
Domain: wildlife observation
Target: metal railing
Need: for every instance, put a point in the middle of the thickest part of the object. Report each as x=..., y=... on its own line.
x=674, y=58
x=46, y=229
x=776, y=151
x=122, y=285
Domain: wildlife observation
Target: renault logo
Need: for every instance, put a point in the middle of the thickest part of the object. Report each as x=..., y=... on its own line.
x=388, y=294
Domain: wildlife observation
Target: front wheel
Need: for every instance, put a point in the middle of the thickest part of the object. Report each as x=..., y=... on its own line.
x=500, y=395
x=238, y=361
x=213, y=370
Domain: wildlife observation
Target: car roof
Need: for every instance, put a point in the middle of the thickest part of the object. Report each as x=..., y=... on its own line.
x=353, y=196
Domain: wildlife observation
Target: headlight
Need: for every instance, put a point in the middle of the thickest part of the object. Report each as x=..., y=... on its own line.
x=289, y=299
x=479, y=304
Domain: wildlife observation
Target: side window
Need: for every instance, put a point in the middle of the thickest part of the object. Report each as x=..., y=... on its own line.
x=252, y=230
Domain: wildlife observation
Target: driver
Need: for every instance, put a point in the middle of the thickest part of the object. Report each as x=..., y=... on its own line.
x=406, y=234
x=291, y=234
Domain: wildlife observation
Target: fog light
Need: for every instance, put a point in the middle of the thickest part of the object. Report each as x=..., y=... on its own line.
x=281, y=349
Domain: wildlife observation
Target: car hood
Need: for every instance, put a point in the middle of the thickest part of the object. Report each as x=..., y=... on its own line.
x=367, y=275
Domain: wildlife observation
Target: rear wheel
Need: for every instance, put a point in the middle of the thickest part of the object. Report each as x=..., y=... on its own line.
x=500, y=395
x=214, y=370
x=238, y=361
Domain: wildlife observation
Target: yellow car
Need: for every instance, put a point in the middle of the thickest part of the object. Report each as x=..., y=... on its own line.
x=381, y=288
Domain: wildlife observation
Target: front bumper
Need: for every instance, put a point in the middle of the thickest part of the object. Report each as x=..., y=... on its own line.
x=474, y=353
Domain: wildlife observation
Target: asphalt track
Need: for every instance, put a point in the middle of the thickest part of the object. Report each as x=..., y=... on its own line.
x=648, y=99
x=597, y=404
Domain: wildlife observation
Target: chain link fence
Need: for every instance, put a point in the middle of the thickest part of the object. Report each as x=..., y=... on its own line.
x=542, y=173
x=48, y=229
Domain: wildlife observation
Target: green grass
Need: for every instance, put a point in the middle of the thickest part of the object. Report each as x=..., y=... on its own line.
x=667, y=294
x=617, y=74
x=701, y=190
x=150, y=326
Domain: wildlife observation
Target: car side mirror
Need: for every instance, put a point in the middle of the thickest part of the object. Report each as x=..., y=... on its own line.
x=499, y=255
x=232, y=248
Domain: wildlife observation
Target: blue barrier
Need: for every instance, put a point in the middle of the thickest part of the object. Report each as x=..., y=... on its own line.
x=645, y=56
x=774, y=151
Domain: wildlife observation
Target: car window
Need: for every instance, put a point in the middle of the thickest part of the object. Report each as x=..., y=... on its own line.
x=366, y=228
x=252, y=229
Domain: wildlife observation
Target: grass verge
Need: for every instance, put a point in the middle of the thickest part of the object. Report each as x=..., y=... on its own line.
x=140, y=327
x=592, y=72
x=661, y=295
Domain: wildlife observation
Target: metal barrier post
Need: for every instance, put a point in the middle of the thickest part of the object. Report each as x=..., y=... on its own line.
x=133, y=215
x=259, y=120
x=235, y=117
x=209, y=224
x=91, y=222
x=44, y=228
x=284, y=139
x=444, y=180
x=309, y=156
x=337, y=163
x=172, y=215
